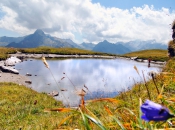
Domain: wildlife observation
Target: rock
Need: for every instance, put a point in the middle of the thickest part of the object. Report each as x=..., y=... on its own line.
x=53, y=93
x=29, y=82
x=12, y=61
x=1, y=63
x=5, y=65
x=145, y=61
x=27, y=74
x=160, y=63
x=63, y=89
x=133, y=58
x=140, y=60
x=18, y=52
x=9, y=69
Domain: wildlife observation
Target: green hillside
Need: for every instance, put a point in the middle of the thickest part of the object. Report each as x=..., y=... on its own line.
x=47, y=50
x=157, y=55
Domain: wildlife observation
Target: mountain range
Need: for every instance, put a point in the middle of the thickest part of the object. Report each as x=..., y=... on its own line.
x=39, y=38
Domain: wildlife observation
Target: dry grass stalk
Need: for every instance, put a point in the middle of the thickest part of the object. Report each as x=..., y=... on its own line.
x=86, y=87
x=45, y=62
x=153, y=78
x=136, y=70
x=47, y=66
x=160, y=95
x=58, y=109
x=108, y=110
x=146, y=86
x=81, y=93
x=70, y=81
x=112, y=100
x=128, y=126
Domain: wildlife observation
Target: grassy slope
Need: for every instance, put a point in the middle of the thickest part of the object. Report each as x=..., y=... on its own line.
x=158, y=55
x=48, y=50
x=21, y=107
x=61, y=51
x=5, y=51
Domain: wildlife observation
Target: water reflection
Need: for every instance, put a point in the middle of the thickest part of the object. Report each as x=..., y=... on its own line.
x=103, y=77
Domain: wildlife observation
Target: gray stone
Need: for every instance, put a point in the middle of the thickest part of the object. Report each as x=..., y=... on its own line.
x=9, y=69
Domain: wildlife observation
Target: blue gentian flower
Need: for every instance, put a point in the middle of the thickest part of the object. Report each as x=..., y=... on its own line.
x=154, y=112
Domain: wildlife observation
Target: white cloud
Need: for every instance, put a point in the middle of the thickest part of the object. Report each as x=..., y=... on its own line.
x=95, y=23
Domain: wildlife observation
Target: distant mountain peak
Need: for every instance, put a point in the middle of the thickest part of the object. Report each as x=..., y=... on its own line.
x=39, y=31
x=105, y=41
x=107, y=47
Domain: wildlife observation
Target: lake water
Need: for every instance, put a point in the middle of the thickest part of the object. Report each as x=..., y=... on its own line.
x=98, y=77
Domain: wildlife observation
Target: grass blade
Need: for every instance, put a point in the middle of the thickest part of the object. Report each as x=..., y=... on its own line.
x=98, y=123
x=118, y=122
x=65, y=119
x=85, y=120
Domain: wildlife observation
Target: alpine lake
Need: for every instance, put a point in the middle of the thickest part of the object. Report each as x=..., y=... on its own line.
x=98, y=78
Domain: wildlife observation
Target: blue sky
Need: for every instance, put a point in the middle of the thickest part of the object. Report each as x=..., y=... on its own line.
x=127, y=4
x=90, y=21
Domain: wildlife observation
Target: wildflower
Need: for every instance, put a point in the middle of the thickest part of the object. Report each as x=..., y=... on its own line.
x=154, y=112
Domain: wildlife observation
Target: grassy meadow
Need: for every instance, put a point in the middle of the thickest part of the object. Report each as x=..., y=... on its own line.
x=5, y=51
x=155, y=54
x=23, y=108
x=48, y=50
x=60, y=51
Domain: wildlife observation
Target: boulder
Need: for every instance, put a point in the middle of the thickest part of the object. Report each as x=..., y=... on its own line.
x=9, y=69
x=12, y=61
x=29, y=82
x=133, y=58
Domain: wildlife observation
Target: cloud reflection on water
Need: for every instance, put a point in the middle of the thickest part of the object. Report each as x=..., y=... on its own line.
x=103, y=77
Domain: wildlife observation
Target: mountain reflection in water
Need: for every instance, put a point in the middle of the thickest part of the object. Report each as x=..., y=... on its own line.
x=102, y=77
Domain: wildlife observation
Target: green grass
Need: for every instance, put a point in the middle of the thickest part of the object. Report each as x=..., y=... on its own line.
x=60, y=51
x=157, y=55
x=21, y=107
x=48, y=50
x=5, y=51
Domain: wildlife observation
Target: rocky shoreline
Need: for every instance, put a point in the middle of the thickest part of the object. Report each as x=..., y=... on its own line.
x=37, y=56
x=14, y=78
x=21, y=79
x=8, y=76
x=22, y=55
